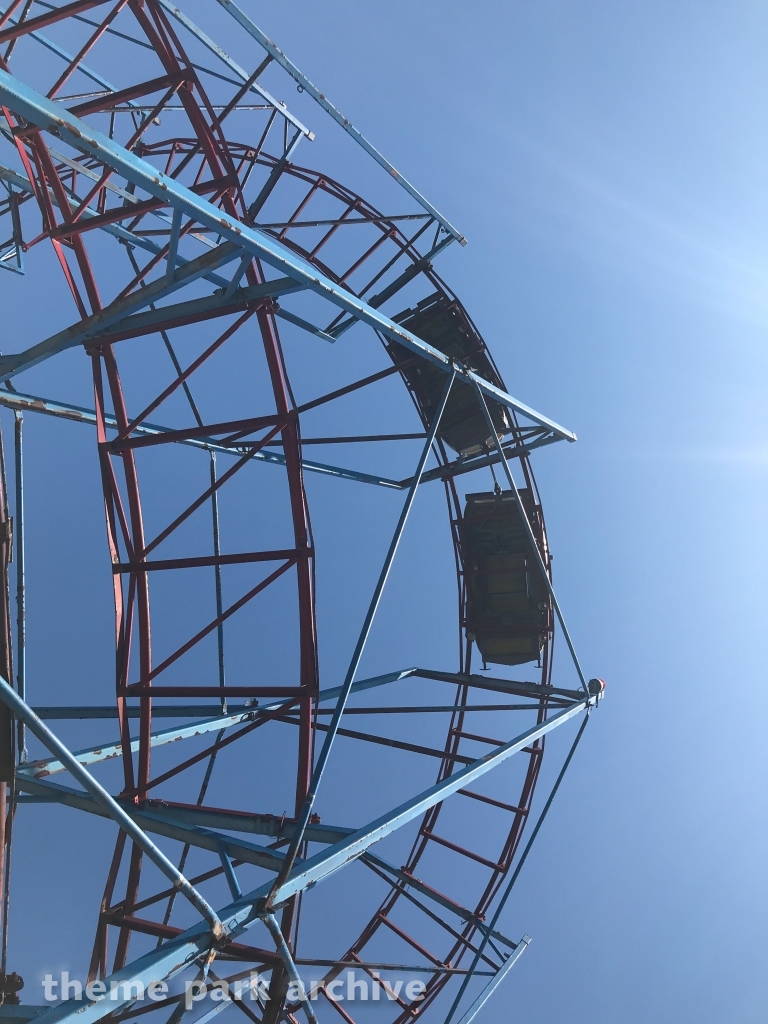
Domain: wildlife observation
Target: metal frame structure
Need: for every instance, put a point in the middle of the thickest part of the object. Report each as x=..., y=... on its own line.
x=252, y=238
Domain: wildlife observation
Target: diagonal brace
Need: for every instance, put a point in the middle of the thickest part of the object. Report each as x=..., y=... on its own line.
x=346, y=689
x=23, y=711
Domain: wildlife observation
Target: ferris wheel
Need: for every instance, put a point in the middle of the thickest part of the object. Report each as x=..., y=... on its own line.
x=194, y=243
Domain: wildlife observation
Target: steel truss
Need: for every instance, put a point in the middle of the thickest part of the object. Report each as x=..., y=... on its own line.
x=251, y=238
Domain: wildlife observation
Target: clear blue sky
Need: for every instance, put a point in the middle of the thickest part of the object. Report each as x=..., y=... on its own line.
x=607, y=162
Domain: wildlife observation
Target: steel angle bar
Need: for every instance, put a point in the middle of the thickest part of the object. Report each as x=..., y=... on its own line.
x=106, y=751
x=346, y=688
x=12, y=258
x=79, y=414
x=442, y=709
x=19, y=529
x=531, y=537
x=157, y=823
x=44, y=767
x=180, y=821
x=459, y=466
x=277, y=827
x=234, y=281
x=22, y=182
x=492, y=985
x=524, y=689
x=215, y=1010
x=386, y=741
x=305, y=325
x=89, y=711
x=235, y=67
x=110, y=186
x=198, y=710
x=304, y=83
x=110, y=806
x=192, y=311
x=173, y=245
x=97, y=323
x=290, y=966
x=85, y=214
x=368, y=684
x=58, y=121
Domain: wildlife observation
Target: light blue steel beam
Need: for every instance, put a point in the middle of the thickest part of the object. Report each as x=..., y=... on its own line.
x=155, y=320
x=60, y=712
x=44, y=767
x=19, y=529
x=89, y=212
x=99, y=322
x=523, y=688
x=213, y=1012
x=233, y=66
x=79, y=414
x=22, y=181
x=305, y=325
x=110, y=807
x=156, y=822
x=12, y=253
x=174, y=956
x=304, y=83
x=72, y=712
x=53, y=118
x=469, y=464
x=229, y=874
x=494, y=983
x=290, y=966
x=270, y=825
x=185, y=823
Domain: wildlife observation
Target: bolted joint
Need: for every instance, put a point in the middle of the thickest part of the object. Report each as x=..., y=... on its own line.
x=268, y=306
